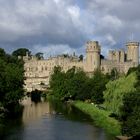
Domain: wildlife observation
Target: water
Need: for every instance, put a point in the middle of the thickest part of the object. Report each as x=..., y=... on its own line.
x=51, y=121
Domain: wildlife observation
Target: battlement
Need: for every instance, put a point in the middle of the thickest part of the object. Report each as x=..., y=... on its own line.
x=132, y=44
x=93, y=46
x=116, y=55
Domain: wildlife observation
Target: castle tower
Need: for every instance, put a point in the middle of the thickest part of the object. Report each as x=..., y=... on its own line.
x=133, y=52
x=92, y=56
x=116, y=55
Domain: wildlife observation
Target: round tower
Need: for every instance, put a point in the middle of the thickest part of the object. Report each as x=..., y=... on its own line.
x=133, y=52
x=93, y=50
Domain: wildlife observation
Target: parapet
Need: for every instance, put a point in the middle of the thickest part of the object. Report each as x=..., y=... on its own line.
x=132, y=44
x=93, y=46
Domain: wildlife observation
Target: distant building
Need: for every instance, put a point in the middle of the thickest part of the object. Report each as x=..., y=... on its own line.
x=38, y=72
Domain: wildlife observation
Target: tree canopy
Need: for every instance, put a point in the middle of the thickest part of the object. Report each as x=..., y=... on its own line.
x=39, y=55
x=115, y=91
x=21, y=52
x=75, y=84
x=11, y=80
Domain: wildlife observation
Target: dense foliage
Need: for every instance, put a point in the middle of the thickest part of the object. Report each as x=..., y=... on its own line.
x=21, y=52
x=11, y=80
x=122, y=97
x=130, y=111
x=130, y=114
x=76, y=85
x=39, y=55
x=115, y=91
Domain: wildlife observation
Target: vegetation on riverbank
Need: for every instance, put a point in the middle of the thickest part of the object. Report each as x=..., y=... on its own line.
x=112, y=92
x=115, y=91
x=11, y=82
x=76, y=85
x=100, y=117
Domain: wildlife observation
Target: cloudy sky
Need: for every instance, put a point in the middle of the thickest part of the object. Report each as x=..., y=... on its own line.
x=63, y=26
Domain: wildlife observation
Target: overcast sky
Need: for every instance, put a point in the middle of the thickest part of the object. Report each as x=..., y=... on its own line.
x=64, y=26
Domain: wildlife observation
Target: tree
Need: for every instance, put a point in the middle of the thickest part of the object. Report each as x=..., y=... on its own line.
x=39, y=55
x=81, y=57
x=11, y=81
x=69, y=85
x=115, y=91
x=21, y=52
x=2, y=53
x=13, y=85
x=57, y=83
x=101, y=56
x=98, y=82
x=75, y=83
x=133, y=69
x=130, y=114
x=114, y=74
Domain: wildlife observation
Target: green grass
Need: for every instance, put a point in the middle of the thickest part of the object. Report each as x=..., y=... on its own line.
x=100, y=117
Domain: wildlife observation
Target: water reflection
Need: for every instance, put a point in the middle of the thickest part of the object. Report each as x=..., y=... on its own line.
x=33, y=111
x=50, y=121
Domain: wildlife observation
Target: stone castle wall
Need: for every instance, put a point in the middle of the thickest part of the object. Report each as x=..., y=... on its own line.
x=38, y=72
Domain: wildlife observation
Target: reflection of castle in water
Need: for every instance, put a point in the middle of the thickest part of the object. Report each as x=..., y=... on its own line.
x=33, y=111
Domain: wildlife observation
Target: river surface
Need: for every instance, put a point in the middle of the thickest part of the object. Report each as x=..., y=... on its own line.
x=51, y=121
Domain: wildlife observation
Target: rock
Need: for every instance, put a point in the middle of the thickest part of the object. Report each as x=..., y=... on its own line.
x=123, y=138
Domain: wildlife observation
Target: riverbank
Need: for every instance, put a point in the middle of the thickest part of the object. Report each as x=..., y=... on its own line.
x=100, y=117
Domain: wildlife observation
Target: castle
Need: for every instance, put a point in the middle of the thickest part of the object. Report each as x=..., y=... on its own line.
x=38, y=72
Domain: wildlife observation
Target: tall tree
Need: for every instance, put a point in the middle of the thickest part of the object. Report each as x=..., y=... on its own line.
x=21, y=52
x=39, y=55
x=81, y=57
x=11, y=81
x=57, y=83
x=2, y=53
x=98, y=82
x=115, y=91
x=130, y=114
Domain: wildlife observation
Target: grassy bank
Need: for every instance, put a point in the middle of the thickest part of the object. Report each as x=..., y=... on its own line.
x=100, y=117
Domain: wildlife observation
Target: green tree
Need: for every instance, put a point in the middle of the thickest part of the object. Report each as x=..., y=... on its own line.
x=133, y=69
x=101, y=56
x=57, y=83
x=11, y=81
x=39, y=55
x=114, y=74
x=69, y=85
x=98, y=82
x=2, y=53
x=13, y=85
x=81, y=57
x=76, y=81
x=21, y=52
x=130, y=114
x=115, y=91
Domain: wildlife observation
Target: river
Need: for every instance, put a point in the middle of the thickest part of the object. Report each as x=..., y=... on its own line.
x=51, y=121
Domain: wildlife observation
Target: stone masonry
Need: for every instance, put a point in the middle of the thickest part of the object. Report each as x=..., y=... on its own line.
x=38, y=72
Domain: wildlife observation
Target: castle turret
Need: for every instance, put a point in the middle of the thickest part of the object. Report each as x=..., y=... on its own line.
x=92, y=56
x=133, y=52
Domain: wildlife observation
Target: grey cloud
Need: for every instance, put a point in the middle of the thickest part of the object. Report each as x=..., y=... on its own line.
x=118, y=19
x=67, y=23
x=26, y=23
